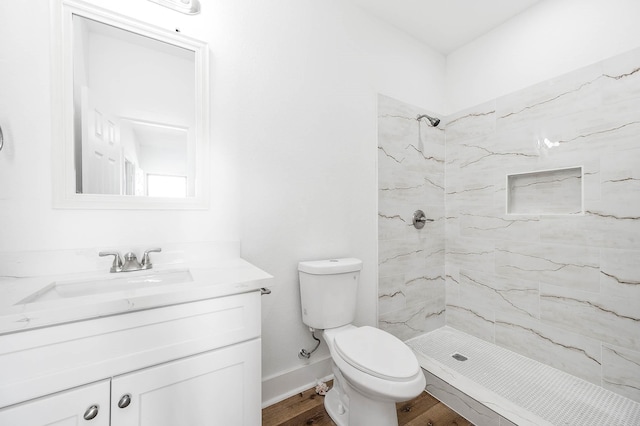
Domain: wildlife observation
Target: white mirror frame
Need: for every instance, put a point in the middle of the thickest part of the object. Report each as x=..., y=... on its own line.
x=64, y=184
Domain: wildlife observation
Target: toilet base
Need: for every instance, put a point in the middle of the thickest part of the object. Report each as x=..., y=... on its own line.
x=357, y=409
x=338, y=412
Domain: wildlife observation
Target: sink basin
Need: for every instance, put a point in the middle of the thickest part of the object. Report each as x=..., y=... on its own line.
x=118, y=282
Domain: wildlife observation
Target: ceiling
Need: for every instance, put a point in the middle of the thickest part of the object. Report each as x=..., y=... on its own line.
x=445, y=25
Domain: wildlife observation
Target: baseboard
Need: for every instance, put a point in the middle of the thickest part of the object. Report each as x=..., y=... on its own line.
x=281, y=386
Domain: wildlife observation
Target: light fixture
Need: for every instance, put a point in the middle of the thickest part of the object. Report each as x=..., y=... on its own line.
x=190, y=7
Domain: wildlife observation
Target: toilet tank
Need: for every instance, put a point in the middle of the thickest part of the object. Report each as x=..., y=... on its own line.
x=328, y=290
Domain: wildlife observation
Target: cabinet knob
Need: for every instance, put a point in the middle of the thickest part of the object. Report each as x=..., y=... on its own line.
x=91, y=412
x=124, y=401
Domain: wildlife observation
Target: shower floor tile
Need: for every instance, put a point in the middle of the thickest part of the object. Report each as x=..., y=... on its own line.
x=518, y=388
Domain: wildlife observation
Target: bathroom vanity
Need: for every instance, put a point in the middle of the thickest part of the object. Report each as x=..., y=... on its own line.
x=180, y=353
x=178, y=344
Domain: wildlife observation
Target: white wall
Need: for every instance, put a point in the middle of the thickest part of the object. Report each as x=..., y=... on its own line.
x=549, y=39
x=306, y=81
x=124, y=76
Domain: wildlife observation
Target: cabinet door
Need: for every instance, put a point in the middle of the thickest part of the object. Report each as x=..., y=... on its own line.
x=220, y=387
x=75, y=407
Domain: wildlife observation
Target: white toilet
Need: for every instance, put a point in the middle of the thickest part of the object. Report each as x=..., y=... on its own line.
x=373, y=369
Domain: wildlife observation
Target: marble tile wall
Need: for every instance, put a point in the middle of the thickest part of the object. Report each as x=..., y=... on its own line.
x=563, y=289
x=545, y=192
x=411, y=282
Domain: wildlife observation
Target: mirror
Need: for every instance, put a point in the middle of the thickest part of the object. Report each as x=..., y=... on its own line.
x=134, y=114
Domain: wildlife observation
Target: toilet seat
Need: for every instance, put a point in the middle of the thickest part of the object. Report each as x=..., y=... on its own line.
x=377, y=353
x=373, y=386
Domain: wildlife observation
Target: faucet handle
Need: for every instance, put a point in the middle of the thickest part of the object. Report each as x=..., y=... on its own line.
x=116, y=266
x=146, y=261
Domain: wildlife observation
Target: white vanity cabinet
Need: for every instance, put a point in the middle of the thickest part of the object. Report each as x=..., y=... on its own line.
x=191, y=364
x=214, y=388
x=68, y=408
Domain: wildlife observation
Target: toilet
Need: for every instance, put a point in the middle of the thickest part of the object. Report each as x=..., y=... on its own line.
x=372, y=368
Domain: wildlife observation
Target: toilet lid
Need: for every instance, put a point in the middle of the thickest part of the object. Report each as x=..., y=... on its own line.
x=377, y=353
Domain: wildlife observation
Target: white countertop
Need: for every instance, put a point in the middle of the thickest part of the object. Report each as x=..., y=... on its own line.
x=209, y=280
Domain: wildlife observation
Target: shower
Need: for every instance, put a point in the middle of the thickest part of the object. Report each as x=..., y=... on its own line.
x=434, y=121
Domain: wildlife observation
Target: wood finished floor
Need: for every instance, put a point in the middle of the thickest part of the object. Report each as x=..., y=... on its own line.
x=307, y=408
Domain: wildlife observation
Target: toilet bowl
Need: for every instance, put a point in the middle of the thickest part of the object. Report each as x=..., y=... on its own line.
x=373, y=370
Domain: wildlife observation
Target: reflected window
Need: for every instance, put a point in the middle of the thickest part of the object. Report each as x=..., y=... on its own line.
x=166, y=186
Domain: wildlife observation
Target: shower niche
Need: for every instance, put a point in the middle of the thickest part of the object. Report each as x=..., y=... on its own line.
x=546, y=192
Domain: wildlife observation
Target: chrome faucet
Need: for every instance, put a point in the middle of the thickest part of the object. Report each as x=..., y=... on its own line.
x=130, y=261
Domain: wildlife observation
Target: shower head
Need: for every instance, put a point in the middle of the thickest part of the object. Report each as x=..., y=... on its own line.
x=434, y=121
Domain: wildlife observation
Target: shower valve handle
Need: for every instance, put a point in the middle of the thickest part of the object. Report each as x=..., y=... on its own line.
x=419, y=219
